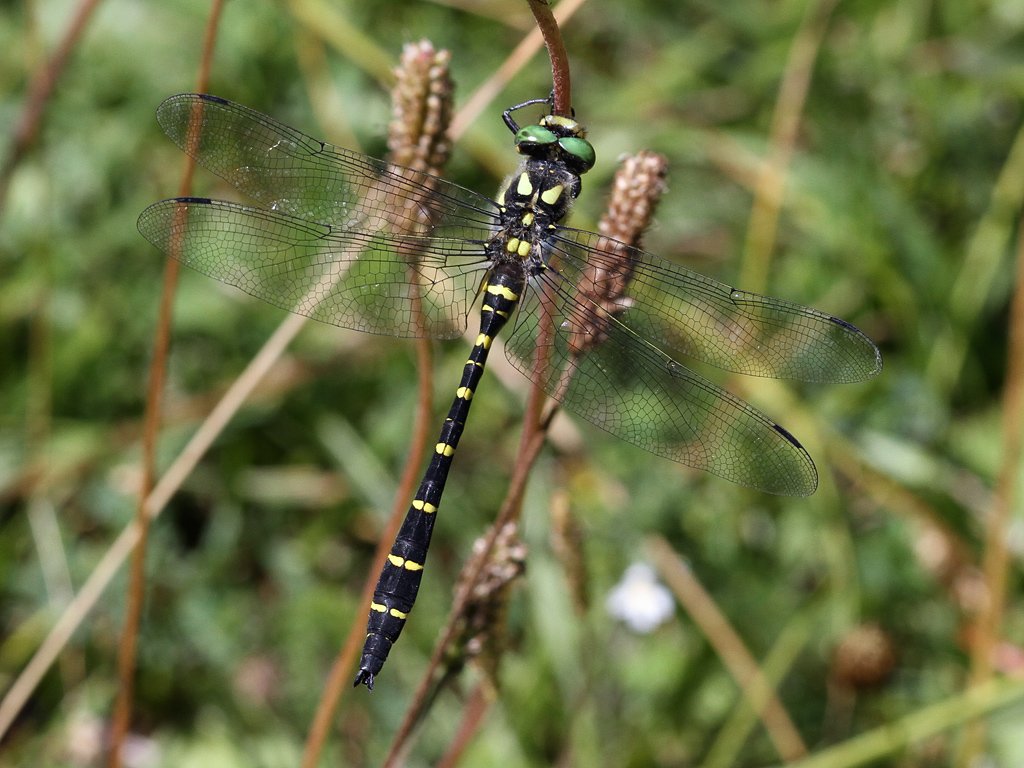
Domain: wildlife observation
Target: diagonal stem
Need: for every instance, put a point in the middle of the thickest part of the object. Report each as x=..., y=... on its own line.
x=40, y=89
x=730, y=649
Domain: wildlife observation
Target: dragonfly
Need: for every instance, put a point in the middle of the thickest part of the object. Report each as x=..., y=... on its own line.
x=600, y=325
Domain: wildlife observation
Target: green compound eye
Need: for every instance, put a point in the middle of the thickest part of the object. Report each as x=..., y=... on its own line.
x=580, y=151
x=533, y=136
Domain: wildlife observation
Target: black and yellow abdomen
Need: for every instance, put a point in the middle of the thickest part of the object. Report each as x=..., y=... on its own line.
x=534, y=199
x=402, y=571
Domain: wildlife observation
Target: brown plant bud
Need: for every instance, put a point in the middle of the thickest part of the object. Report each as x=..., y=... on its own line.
x=637, y=189
x=638, y=186
x=864, y=658
x=421, y=109
x=483, y=618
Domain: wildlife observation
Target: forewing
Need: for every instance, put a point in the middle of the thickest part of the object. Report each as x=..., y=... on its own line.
x=635, y=391
x=357, y=279
x=688, y=314
x=287, y=171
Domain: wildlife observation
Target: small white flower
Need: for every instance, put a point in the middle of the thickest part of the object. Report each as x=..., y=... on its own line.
x=640, y=600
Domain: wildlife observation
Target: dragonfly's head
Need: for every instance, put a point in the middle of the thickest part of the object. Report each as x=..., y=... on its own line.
x=557, y=138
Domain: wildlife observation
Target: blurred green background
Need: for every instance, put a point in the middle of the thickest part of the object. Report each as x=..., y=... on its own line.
x=899, y=215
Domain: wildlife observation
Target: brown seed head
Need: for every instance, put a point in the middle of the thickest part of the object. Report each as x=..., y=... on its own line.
x=421, y=109
x=483, y=620
x=637, y=189
x=639, y=185
x=864, y=658
x=418, y=144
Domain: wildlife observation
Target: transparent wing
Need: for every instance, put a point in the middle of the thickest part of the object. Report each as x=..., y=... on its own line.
x=285, y=170
x=341, y=237
x=633, y=390
x=358, y=279
x=688, y=314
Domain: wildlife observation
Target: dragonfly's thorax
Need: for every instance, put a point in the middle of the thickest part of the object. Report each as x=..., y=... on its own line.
x=533, y=200
x=538, y=196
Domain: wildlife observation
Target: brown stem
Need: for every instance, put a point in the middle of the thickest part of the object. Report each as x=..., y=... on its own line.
x=560, y=81
x=40, y=89
x=154, y=407
x=995, y=561
x=488, y=90
x=472, y=717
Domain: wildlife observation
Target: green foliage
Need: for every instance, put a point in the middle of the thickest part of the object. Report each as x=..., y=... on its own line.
x=899, y=214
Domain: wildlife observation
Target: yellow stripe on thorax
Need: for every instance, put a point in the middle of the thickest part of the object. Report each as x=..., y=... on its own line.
x=551, y=195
